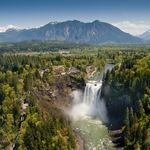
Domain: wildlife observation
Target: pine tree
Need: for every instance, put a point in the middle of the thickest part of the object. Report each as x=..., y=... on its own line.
x=37, y=74
x=98, y=55
x=139, y=135
x=104, y=76
x=135, y=118
x=132, y=127
x=127, y=128
x=107, y=75
x=26, y=84
x=140, y=110
x=113, y=72
x=71, y=138
x=131, y=117
x=145, y=137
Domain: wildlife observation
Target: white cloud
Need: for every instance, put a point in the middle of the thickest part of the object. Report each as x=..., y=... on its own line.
x=142, y=21
x=3, y=29
x=39, y=26
x=132, y=28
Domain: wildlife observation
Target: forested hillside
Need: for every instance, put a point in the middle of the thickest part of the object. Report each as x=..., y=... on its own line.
x=34, y=79
x=127, y=93
x=46, y=131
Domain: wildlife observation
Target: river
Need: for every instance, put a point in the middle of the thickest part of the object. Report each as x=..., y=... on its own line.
x=100, y=75
x=90, y=115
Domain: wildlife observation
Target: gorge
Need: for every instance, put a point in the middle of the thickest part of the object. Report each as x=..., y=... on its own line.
x=89, y=113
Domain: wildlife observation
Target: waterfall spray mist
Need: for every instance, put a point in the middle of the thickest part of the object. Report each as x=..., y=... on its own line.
x=90, y=104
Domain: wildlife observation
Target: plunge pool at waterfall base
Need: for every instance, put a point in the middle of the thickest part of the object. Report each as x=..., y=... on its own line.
x=94, y=133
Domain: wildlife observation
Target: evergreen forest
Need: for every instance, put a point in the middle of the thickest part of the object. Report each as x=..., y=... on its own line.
x=24, y=74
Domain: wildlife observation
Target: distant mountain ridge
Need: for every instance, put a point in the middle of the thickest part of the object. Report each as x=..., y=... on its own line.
x=145, y=35
x=95, y=32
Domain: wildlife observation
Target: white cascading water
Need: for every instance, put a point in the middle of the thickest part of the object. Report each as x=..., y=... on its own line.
x=92, y=99
x=92, y=93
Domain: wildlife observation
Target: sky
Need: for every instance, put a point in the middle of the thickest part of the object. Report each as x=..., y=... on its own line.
x=131, y=16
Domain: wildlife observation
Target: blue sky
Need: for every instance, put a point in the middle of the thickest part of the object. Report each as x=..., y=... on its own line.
x=129, y=15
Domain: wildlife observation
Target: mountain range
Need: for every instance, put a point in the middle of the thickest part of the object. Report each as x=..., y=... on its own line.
x=95, y=32
x=145, y=35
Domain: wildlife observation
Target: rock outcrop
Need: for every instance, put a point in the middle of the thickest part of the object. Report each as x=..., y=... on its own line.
x=59, y=91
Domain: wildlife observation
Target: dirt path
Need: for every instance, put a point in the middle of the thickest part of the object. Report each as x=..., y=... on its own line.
x=80, y=141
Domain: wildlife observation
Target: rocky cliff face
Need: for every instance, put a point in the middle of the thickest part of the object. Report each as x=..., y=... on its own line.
x=116, y=101
x=58, y=92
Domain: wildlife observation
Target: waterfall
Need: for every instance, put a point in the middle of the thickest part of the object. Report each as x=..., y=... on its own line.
x=96, y=106
x=92, y=93
x=91, y=104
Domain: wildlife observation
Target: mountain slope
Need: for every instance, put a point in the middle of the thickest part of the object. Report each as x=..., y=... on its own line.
x=74, y=31
x=145, y=35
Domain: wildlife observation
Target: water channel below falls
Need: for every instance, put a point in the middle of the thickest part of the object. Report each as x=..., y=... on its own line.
x=90, y=115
